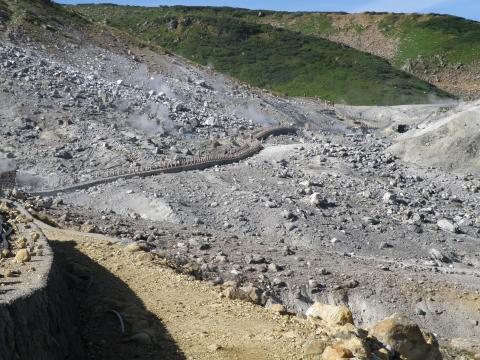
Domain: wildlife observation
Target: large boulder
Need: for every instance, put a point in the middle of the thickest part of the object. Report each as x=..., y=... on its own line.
x=331, y=314
x=406, y=338
x=314, y=347
x=346, y=331
x=22, y=256
x=336, y=353
x=353, y=347
x=247, y=293
x=327, y=349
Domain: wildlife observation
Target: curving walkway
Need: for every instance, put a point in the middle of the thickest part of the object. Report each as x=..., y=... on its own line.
x=165, y=167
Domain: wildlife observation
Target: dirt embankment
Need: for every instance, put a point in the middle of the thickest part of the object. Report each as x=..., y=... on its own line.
x=39, y=325
x=36, y=321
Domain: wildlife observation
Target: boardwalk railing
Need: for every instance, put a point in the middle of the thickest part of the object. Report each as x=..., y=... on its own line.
x=8, y=179
x=174, y=166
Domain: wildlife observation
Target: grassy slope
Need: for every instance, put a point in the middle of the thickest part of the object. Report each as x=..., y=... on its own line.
x=4, y=11
x=455, y=38
x=265, y=56
x=28, y=15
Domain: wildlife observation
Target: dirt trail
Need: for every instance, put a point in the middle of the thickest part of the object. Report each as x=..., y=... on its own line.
x=179, y=317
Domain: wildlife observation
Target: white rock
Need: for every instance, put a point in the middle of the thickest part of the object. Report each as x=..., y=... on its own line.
x=447, y=225
x=316, y=199
x=389, y=198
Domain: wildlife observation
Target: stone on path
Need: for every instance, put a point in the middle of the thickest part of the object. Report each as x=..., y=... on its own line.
x=331, y=314
x=22, y=256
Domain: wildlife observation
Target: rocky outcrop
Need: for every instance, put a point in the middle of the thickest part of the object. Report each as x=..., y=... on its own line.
x=406, y=338
x=331, y=314
x=390, y=338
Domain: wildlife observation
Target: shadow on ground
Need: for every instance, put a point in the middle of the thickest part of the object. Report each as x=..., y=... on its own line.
x=99, y=294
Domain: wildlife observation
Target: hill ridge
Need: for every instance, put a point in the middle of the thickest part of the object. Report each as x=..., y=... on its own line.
x=266, y=56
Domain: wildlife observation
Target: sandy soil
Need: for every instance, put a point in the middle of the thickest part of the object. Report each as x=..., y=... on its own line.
x=183, y=318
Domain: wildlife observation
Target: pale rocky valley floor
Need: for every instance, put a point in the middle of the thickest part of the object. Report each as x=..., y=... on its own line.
x=332, y=214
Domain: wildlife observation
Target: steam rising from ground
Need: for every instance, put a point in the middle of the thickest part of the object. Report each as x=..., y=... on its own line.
x=25, y=179
x=250, y=112
x=153, y=120
x=142, y=77
x=7, y=165
x=435, y=99
x=34, y=181
x=154, y=117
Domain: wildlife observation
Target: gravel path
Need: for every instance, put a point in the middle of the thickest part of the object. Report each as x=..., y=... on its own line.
x=184, y=318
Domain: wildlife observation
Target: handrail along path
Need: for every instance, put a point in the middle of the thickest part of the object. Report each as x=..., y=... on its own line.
x=175, y=166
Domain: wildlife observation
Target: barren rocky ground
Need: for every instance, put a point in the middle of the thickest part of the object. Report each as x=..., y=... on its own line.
x=374, y=208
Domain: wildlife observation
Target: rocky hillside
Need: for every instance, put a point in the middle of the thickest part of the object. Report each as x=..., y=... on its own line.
x=266, y=56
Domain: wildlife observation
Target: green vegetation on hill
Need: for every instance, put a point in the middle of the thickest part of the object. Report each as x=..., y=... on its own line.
x=441, y=49
x=442, y=43
x=455, y=38
x=29, y=16
x=277, y=59
x=428, y=35
x=4, y=11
